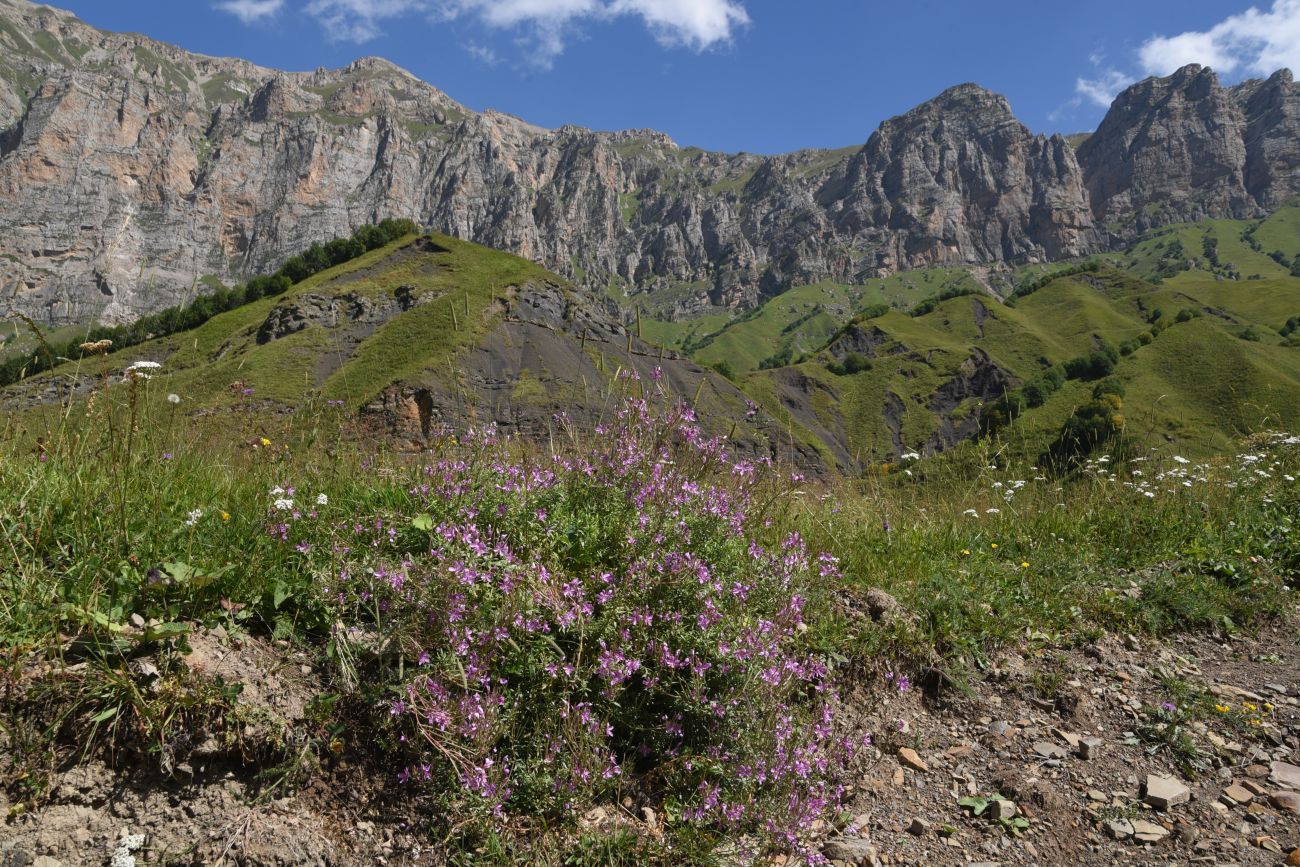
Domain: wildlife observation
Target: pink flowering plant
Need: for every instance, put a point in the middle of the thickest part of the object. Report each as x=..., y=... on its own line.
x=585, y=627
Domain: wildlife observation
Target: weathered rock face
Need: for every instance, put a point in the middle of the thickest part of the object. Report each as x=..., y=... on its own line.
x=1272, y=110
x=130, y=170
x=1185, y=148
x=960, y=180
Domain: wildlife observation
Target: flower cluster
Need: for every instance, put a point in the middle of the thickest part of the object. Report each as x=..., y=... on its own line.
x=599, y=623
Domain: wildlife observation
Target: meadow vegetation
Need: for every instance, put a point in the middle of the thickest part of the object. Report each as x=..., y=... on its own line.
x=512, y=634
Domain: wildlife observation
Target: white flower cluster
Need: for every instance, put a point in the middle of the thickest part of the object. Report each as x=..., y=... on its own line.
x=122, y=856
x=140, y=369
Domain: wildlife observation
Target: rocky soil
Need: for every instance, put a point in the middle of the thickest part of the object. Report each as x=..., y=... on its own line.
x=1053, y=746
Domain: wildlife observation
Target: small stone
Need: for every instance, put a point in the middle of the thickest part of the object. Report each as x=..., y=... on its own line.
x=1293, y=860
x=649, y=817
x=1238, y=794
x=1285, y=774
x=1253, y=787
x=1050, y=750
x=919, y=827
x=1089, y=748
x=1287, y=802
x=1148, y=832
x=912, y=760
x=1004, y=809
x=851, y=849
x=1119, y=829
x=1256, y=772
x=1166, y=792
x=1268, y=844
x=899, y=777
x=1069, y=737
x=1096, y=795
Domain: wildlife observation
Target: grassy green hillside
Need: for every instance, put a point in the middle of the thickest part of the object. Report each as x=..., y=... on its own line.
x=329, y=354
x=1193, y=312
x=1193, y=321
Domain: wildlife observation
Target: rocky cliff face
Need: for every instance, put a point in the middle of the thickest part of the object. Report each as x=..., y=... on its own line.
x=1185, y=148
x=132, y=170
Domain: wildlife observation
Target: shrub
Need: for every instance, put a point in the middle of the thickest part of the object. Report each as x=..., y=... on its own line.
x=1032, y=286
x=778, y=359
x=597, y=624
x=1094, y=365
x=932, y=303
x=1096, y=423
x=854, y=362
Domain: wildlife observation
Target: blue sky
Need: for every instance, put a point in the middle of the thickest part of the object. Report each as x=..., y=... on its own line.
x=764, y=76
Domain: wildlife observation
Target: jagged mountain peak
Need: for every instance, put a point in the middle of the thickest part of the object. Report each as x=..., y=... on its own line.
x=191, y=168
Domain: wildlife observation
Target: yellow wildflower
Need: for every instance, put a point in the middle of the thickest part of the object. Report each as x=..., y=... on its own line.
x=965, y=552
x=1024, y=564
x=265, y=441
x=225, y=516
x=1223, y=708
x=1268, y=705
x=994, y=545
x=1255, y=721
x=1248, y=706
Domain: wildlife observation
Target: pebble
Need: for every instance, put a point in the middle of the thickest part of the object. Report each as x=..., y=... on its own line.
x=851, y=849
x=1166, y=792
x=1089, y=748
x=1119, y=829
x=1269, y=844
x=912, y=760
x=1287, y=802
x=1238, y=794
x=918, y=828
x=1149, y=832
x=1050, y=750
x=1285, y=774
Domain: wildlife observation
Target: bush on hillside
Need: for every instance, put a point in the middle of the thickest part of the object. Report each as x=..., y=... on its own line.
x=589, y=625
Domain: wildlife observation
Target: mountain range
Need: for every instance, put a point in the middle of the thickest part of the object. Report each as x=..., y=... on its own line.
x=136, y=175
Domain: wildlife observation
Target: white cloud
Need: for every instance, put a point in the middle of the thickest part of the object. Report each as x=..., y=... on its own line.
x=482, y=53
x=1252, y=41
x=250, y=11
x=357, y=20
x=1102, y=89
x=695, y=24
